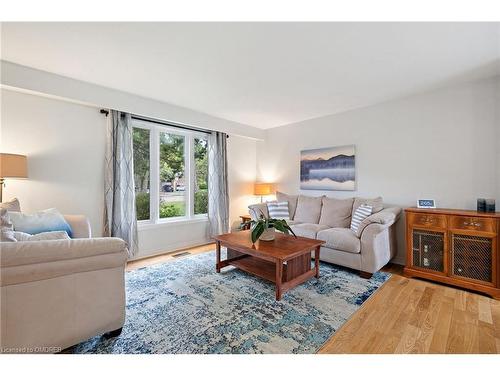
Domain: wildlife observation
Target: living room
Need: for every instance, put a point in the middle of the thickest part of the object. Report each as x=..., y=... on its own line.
x=250, y=187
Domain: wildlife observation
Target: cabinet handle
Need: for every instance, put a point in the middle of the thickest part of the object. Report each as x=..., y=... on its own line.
x=472, y=223
x=427, y=219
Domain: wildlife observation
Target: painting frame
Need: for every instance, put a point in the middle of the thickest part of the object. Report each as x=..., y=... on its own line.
x=328, y=168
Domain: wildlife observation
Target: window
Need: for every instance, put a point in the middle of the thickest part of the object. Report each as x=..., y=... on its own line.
x=171, y=172
x=172, y=177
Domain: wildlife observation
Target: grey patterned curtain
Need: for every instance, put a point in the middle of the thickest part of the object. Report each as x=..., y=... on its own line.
x=119, y=209
x=218, y=195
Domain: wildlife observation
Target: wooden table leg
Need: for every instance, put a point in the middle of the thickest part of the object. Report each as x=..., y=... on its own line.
x=316, y=261
x=279, y=278
x=217, y=256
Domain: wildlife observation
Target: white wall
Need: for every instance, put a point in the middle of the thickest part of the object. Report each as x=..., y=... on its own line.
x=242, y=161
x=65, y=145
x=441, y=145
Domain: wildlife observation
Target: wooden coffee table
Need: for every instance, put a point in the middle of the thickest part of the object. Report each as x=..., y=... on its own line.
x=285, y=261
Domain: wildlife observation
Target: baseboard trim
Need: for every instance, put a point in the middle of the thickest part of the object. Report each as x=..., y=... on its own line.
x=183, y=247
x=399, y=260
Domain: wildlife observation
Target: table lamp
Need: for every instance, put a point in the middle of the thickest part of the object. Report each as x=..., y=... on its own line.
x=12, y=166
x=263, y=189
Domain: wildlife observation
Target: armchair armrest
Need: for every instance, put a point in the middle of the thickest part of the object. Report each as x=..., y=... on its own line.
x=28, y=261
x=256, y=210
x=80, y=226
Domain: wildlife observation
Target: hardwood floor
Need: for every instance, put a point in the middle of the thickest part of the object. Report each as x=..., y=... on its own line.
x=407, y=316
x=415, y=316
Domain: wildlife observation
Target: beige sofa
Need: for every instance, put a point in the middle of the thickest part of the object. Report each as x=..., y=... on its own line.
x=55, y=294
x=329, y=219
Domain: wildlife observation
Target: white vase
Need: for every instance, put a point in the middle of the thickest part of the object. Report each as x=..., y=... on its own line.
x=268, y=235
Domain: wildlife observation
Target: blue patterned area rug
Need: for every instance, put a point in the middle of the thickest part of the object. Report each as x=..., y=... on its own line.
x=184, y=306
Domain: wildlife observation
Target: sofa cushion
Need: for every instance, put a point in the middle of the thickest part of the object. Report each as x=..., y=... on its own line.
x=291, y=223
x=336, y=213
x=308, y=209
x=307, y=230
x=44, y=236
x=376, y=203
x=292, y=202
x=340, y=239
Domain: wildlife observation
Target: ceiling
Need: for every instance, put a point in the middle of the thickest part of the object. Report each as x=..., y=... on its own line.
x=260, y=74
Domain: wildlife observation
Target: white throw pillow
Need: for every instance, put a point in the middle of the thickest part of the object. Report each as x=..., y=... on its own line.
x=377, y=204
x=278, y=210
x=292, y=202
x=45, y=236
x=50, y=220
x=361, y=213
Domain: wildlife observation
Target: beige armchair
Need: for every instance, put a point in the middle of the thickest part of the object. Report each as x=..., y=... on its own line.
x=55, y=294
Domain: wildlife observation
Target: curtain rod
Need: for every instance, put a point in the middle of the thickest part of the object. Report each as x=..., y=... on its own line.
x=160, y=122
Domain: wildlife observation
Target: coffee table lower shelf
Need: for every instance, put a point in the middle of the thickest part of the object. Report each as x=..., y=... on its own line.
x=258, y=267
x=285, y=275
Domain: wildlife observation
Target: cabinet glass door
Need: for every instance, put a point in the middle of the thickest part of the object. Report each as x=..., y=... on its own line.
x=428, y=250
x=472, y=257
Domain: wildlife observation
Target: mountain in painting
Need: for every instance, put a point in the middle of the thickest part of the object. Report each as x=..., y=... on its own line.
x=339, y=168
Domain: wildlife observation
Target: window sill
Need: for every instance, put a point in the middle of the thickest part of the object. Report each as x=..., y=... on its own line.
x=171, y=222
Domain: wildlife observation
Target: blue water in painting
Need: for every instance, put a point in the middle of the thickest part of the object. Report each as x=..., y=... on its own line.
x=335, y=174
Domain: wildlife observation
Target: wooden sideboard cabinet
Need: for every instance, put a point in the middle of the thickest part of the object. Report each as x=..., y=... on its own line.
x=456, y=247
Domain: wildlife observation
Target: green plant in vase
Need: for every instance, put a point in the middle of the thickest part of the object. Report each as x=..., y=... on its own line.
x=264, y=228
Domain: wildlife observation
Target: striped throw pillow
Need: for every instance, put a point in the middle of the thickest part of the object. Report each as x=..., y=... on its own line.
x=278, y=210
x=361, y=213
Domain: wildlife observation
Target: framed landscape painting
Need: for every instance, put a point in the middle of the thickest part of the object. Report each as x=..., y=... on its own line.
x=332, y=168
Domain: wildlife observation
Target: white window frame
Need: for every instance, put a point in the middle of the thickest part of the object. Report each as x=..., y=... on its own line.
x=154, y=173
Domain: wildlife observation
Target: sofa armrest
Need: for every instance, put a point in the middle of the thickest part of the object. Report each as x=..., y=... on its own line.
x=80, y=226
x=28, y=261
x=384, y=218
x=375, y=247
x=256, y=210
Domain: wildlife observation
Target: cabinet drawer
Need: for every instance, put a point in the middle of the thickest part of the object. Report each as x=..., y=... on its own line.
x=481, y=224
x=427, y=220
